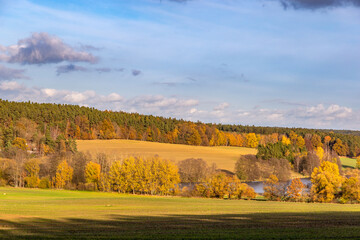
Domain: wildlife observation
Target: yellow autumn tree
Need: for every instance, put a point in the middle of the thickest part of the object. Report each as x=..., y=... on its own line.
x=319, y=152
x=285, y=140
x=107, y=130
x=326, y=182
x=252, y=140
x=239, y=190
x=115, y=176
x=295, y=189
x=350, y=190
x=271, y=189
x=64, y=174
x=20, y=143
x=144, y=176
x=32, y=168
x=92, y=173
x=300, y=141
x=293, y=137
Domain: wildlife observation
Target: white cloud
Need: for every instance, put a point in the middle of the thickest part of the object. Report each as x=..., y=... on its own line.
x=10, y=86
x=42, y=48
x=221, y=106
x=315, y=116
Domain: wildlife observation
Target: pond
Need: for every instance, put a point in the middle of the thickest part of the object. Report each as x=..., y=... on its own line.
x=258, y=186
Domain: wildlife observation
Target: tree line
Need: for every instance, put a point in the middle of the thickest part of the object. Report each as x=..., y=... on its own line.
x=46, y=127
x=328, y=185
x=134, y=174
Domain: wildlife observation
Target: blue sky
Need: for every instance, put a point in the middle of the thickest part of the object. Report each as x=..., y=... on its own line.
x=287, y=63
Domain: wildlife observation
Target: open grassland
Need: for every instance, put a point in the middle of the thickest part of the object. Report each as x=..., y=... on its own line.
x=223, y=157
x=44, y=214
x=348, y=162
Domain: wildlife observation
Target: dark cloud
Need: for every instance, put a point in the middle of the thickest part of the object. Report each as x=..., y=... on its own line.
x=119, y=69
x=10, y=74
x=70, y=68
x=318, y=4
x=135, y=72
x=103, y=70
x=42, y=48
x=191, y=79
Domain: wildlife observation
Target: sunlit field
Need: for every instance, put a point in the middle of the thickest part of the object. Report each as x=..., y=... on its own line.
x=42, y=214
x=223, y=157
x=348, y=162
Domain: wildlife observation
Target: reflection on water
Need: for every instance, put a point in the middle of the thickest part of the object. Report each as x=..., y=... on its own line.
x=258, y=186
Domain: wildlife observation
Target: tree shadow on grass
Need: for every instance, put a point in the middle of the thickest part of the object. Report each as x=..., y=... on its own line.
x=328, y=225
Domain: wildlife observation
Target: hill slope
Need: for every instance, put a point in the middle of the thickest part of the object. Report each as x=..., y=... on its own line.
x=223, y=157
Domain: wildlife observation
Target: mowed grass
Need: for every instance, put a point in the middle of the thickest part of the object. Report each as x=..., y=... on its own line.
x=223, y=157
x=45, y=214
x=348, y=162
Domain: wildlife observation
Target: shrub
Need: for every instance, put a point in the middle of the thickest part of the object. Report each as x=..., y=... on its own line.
x=44, y=183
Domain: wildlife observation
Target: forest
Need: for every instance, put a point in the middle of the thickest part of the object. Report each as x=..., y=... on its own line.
x=38, y=149
x=44, y=127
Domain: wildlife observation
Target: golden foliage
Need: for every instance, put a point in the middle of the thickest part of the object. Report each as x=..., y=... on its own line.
x=326, y=182
x=351, y=190
x=20, y=143
x=64, y=174
x=32, y=168
x=144, y=175
x=252, y=140
x=271, y=190
x=222, y=186
x=319, y=152
x=92, y=173
x=295, y=189
x=285, y=140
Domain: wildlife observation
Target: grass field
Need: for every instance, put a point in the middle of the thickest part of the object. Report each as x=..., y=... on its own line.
x=224, y=157
x=348, y=162
x=44, y=214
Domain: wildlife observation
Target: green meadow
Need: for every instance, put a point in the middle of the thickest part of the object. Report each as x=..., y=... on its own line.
x=348, y=162
x=60, y=214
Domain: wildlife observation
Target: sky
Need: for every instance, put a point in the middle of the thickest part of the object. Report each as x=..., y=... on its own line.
x=290, y=63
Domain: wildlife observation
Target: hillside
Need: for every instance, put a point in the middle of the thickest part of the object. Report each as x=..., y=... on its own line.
x=44, y=126
x=223, y=157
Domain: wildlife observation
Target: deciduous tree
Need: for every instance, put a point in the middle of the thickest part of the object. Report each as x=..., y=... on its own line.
x=326, y=182
x=64, y=174
x=295, y=189
x=92, y=173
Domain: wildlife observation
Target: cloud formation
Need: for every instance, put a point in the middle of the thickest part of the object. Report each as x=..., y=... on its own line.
x=103, y=70
x=42, y=48
x=221, y=106
x=69, y=68
x=313, y=116
x=10, y=86
x=317, y=4
x=135, y=72
x=10, y=74
x=317, y=116
x=146, y=104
